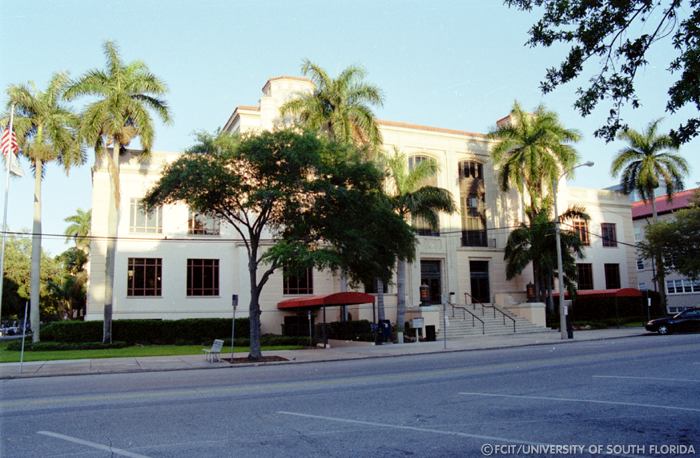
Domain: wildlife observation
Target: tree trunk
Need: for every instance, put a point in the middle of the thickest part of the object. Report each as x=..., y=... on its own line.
x=343, y=288
x=380, y=300
x=35, y=311
x=400, y=295
x=112, y=232
x=255, y=353
x=660, y=268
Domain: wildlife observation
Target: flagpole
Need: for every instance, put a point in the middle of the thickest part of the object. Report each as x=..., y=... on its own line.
x=4, y=216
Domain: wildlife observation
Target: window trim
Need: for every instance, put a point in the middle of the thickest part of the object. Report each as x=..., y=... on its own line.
x=578, y=276
x=298, y=289
x=608, y=242
x=135, y=209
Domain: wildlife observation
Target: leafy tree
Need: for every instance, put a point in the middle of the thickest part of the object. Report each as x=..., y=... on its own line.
x=531, y=150
x=79, y=229
x=643, y=165
x=17, y=277
x=412, y=197
x=678, y=240
x=619, y=35
x=72, y=286
x=47, y=131
x=339, y=108
x=125, y=94
x=535, y=242
x=320, y=203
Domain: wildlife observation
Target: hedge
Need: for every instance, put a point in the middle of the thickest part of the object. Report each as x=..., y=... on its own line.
x=192, y=331
x=57, y=346
x=347, y=330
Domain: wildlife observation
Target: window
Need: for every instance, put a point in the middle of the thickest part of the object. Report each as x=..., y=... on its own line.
x=640, y=263
x=581, y=229
x=471, y=169
x=144, y=220
x=423, y=227
x=609, y=234
x=473, y=221
x=683, y=286
x=298, y=282
x=637, y=234
x=612, y=276
x=202, y=277
x=200, y=224
x=144, y=277
x=642, y=285
x=584, y=277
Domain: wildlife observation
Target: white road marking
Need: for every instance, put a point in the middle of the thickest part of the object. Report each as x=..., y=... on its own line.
x=592, y=401
x=409, y=428
x=648, y=378
x=106, y=448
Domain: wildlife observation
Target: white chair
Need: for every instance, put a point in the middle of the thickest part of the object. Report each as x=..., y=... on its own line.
x=212, y=354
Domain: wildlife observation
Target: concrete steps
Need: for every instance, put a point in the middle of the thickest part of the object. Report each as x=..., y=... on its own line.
x=460, y=325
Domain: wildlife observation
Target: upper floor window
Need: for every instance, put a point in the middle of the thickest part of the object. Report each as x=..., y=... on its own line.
x=424, y=228
x=144, y=277
x=471, y=169
x=201, y=224
x=413, y=162
x=298, y=282
x=581, y=229
x=143, y=219
x=640, y=263
x=609, y=234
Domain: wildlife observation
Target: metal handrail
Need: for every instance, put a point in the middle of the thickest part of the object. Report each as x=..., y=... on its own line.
x=495, y=309
x=464, y=314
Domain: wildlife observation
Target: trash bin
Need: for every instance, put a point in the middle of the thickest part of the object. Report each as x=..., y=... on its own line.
x=430, y=333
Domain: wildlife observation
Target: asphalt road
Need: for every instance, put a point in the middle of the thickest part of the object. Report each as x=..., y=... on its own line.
x=637, y=396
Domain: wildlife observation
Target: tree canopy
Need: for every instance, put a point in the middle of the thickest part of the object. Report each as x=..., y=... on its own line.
x=678, y=240
x=317, y=202
x=614, y=39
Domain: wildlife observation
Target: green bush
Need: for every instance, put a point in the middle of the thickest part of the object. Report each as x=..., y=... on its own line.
x=347, y=330
x=57, y=346
x=191, y=331
x=270, y=340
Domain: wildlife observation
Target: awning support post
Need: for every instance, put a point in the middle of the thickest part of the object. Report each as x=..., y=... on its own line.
x=325, y=336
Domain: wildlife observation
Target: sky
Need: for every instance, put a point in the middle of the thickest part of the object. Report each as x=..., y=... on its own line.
x=445, y=63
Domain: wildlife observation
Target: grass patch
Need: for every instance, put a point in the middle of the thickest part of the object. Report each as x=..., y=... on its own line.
x=10, y=356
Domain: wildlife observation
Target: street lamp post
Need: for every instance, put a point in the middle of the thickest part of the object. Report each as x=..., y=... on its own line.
x=560, y=269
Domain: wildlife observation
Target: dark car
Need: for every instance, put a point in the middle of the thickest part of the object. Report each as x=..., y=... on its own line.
x=686, y=321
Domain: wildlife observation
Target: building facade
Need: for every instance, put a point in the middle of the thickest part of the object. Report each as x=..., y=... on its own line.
x=174, y=264
x=681, y=292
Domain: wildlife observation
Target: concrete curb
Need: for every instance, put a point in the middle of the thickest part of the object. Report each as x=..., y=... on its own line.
x=328, y=360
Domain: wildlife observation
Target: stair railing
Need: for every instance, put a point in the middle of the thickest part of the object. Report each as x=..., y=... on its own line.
x=483, y=306
x=464, y=310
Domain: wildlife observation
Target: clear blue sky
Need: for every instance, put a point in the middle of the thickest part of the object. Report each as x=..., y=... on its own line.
x=455, y=64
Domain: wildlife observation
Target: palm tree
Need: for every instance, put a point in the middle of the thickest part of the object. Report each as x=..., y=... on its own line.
x=126, y=93
x=411, y=197
x=645, y=163
x=79, y=229
x=47, y=131
x=535, y=242
x=339, y=108
x=531, y=150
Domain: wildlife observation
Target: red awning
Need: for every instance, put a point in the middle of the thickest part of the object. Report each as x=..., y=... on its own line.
x=621, y=292
x=349, y=298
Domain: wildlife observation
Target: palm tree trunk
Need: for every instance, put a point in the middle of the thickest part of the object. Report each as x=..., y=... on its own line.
x=35, y=311
x=381, y=314
x=660, y=272
x=112, y=229
x=400, y=295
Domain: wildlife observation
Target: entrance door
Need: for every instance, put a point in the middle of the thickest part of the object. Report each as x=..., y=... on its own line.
x=431, y=274
x=479, y=275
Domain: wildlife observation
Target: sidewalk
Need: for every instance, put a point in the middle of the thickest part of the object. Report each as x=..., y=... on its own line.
x=337, y=353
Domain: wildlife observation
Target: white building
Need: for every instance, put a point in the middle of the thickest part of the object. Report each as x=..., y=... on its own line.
x=171, y=264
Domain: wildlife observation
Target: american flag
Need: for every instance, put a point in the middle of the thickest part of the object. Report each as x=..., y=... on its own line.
x=8, y=142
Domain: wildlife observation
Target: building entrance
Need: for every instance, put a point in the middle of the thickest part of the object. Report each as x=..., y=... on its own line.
x=479, y=276
x=431, y=275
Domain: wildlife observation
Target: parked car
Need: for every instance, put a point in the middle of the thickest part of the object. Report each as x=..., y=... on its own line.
x=686, y=321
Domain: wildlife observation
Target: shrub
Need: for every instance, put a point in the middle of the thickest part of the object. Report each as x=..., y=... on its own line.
x=192, y=331
x=347, y=330
x=57, y=346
